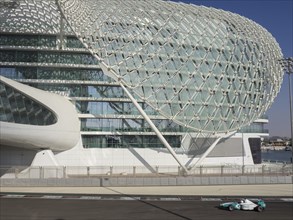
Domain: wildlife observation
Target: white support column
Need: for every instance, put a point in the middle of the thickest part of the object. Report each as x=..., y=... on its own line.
x=155, y=129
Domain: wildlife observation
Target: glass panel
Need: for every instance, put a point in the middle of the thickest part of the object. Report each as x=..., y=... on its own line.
x=27, y=40
x=135, y=141
x=15, y=107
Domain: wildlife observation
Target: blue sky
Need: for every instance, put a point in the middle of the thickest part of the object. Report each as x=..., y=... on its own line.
x=277, y=17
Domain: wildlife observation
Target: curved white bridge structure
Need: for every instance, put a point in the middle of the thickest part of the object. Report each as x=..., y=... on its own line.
x=48, y=122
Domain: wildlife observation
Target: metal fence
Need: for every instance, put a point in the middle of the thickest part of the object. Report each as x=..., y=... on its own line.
x=140, y=171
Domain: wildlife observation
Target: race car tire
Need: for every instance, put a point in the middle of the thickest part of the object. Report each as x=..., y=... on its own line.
x=230, y=208
x=259, y=209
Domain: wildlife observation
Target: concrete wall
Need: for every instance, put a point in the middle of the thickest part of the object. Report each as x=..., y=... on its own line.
x=149, y=181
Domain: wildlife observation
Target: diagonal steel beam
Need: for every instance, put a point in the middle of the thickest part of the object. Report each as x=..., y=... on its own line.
x=154, y=128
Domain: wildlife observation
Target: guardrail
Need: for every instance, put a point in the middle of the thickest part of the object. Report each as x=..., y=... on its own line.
x=68, y=172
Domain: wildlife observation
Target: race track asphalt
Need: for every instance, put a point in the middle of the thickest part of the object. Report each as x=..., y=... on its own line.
x=52, y=208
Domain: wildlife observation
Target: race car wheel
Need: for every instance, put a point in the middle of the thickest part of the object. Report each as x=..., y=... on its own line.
x=230, y=208
x=260, y=209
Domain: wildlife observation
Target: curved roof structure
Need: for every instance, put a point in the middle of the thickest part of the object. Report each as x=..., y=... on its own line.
x=206, y=69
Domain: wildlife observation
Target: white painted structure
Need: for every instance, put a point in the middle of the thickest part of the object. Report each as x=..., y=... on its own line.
x=60, y=136
x=144, y=83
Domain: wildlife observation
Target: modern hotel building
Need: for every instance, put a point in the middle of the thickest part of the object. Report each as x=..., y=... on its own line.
x=132, y=83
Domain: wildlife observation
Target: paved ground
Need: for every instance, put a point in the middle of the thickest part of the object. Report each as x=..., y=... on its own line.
x=172, y=202
x=84, y=209
x=285, y=190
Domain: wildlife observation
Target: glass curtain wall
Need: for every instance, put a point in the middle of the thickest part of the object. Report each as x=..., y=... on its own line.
x=37, y=61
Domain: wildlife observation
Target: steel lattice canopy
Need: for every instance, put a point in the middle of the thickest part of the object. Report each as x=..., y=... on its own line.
x=206, y=69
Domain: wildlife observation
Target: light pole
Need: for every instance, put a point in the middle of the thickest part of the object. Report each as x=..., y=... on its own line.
x=287, y=64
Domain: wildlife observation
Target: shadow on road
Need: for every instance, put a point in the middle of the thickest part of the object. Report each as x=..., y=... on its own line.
x=150, y=204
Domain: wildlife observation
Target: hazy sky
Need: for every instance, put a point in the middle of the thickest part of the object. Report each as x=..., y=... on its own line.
x=276, y=16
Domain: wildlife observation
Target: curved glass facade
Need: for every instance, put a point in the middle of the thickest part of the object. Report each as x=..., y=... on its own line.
x=190, y=68
x=42, y=60
x=206, y=69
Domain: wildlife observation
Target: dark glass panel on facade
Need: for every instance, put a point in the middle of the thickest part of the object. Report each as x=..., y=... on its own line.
x=73, y=42
x=125, y=108
x=15, y=107
x=107, y=108
x=77, y=90
x=255, y=127
x=47, y=57
x=54, y=73
x=112, y=124
x=255, y=149
x=27, y=40
x=7, y=56
x=127, y=141
x=8, y=72
x=128, y=125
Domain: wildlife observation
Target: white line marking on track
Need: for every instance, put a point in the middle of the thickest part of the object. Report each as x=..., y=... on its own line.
x=287, y=199
x=170, y=199
x=14, y=196
x=211, y=199
x=51, y=197
x=90, y=197
x=129, y=198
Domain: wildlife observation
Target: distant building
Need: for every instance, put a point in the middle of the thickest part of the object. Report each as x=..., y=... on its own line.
x=279, y=142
